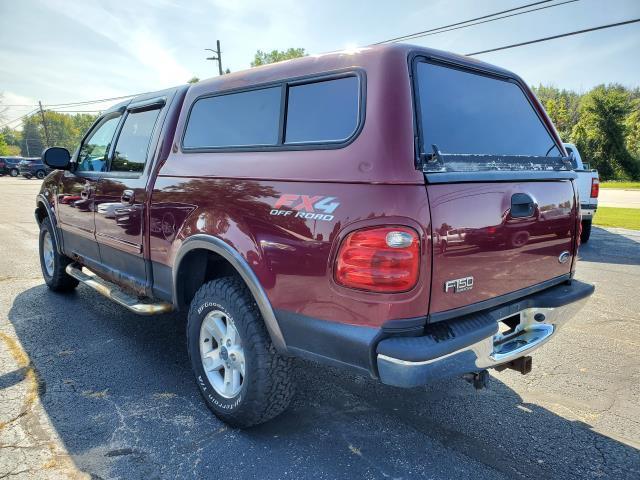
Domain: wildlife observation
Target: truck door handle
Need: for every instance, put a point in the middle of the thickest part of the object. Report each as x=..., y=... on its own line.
x=522, y=205
x=127, y=197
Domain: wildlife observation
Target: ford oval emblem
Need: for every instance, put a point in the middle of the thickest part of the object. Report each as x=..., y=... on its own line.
x=564, y=257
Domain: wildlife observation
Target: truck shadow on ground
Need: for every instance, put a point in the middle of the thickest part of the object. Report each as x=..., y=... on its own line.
x=119, y=391
x=610, y=247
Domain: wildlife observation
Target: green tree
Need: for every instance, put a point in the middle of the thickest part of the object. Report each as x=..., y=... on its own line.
x=193, y=80
x=3, y=146
x=64, y=131
x=6, y=149
x=600, y=134
x=11, y=136
x=32, y=141
x=82, y=123
x=562, y=106
x=263, y=58
x=632, y=125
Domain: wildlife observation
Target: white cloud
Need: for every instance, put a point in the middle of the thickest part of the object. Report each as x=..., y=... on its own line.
x=127, y=26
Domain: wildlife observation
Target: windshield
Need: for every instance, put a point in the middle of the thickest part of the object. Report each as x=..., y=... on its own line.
x=473, y=114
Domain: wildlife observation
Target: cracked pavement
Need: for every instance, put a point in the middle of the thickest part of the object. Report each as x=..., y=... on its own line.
x=89, y=390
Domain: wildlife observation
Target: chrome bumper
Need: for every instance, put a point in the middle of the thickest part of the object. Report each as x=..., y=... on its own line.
x=537, y=326
x=587, y=211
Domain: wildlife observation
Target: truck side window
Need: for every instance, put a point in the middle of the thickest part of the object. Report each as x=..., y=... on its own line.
x=234, y=120
x=93, y=152
x=133, y=142
x=325, y=111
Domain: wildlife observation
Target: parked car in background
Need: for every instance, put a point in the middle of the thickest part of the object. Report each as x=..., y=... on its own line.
x=288, y=223
x=33, y=167
x=588, y=189
x=9, y=165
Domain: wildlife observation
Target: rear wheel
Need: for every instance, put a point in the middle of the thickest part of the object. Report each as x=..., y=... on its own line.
x=519, y=239
x=41, y=174
x=242, y=378
x=53, y=264
x=586, y=231
x=14, y=172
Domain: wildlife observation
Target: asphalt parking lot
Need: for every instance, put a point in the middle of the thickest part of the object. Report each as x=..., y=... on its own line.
x=89, y=390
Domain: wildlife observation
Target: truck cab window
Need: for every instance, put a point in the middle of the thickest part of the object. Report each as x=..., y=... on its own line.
x=93, y=152
x=133, y=142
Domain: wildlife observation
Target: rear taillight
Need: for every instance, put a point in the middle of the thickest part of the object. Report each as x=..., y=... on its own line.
x=379, y=259
x=595, y=187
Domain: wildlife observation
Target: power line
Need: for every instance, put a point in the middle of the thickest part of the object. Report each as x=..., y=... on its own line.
x=75, y=111
x=538, y=40
x=87, y=102
x=403, y=37
x=19, y=118
x=414, y=36
x=79, y=103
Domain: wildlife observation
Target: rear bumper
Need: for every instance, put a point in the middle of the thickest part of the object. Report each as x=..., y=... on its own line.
x=472, y=343
x=588, y=210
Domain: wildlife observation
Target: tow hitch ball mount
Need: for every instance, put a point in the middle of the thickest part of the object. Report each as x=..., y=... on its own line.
x=522, y=365
x=479, y=379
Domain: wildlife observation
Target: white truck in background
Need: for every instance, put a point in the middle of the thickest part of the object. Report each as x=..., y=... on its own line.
x=588, y=189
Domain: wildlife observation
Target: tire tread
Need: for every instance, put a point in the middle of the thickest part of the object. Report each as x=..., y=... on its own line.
x=271, y=388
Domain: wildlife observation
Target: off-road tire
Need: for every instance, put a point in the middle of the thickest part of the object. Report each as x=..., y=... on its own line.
x=586, y=231
x=267, y=387
x=60, y=280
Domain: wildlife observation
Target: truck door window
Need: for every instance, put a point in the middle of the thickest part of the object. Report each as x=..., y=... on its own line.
x=132, y=145
x=92, y=156
x=325, y=111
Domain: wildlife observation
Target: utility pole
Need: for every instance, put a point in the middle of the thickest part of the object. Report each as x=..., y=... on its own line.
x=44, y=124
x=217, y=55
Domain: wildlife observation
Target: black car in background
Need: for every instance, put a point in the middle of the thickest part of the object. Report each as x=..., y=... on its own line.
x=9, y=166
x=33, y=167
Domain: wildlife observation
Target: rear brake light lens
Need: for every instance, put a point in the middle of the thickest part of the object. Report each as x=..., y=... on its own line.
x=595, y=187
x=379, y=259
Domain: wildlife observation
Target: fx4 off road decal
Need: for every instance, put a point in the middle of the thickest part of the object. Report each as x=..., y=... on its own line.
x=312, y=207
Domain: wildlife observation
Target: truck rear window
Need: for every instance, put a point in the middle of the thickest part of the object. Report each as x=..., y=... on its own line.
x=469, y=113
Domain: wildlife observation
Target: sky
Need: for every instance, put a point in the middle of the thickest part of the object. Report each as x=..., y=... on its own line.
x=61, y=51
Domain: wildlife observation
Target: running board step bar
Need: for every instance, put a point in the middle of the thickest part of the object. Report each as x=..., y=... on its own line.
x=112, y=292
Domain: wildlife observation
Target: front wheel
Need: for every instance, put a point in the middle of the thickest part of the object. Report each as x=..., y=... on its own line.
x=242, y=378
x=53, y=264
x=14, y=172
x=586, y=231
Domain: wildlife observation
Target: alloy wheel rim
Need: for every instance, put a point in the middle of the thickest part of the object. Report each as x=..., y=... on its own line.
x=47, y=253
x=222, y=354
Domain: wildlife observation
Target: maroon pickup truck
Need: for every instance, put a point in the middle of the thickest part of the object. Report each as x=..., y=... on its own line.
x=401, y=212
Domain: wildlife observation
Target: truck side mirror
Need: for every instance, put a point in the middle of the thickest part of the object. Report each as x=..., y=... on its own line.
x=57, y=157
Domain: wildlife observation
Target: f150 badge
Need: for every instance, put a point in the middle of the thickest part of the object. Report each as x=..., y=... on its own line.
x=311, y=207
x=458, y=285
